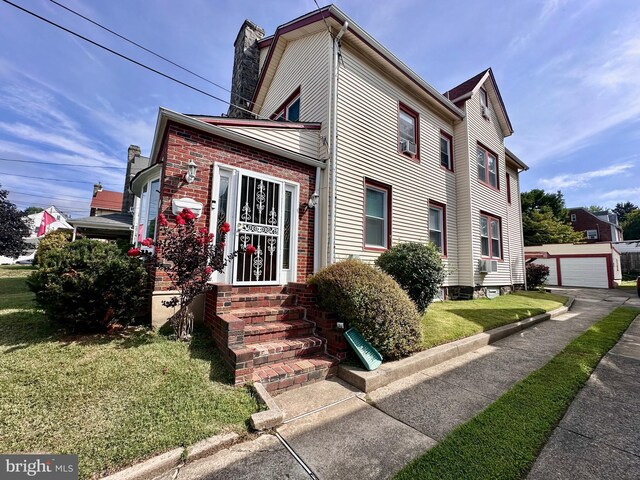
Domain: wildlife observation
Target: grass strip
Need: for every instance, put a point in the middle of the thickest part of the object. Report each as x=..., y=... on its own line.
x=503, y=441
x=452, y=320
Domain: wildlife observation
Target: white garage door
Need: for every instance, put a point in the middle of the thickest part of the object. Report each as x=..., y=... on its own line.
x=584, y=272
x=553, y=270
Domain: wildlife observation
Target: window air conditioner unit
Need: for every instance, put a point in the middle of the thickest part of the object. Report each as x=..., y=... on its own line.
x=407, y=146
x=487, y=266
x=486, y=112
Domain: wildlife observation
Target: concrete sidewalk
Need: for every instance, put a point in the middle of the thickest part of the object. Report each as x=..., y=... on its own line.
x=599, y=436
x=332, y=431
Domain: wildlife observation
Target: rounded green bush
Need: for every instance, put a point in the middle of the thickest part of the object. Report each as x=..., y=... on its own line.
x=417, y=267
x=372, y=302
x=51, y=241
x=87, y=285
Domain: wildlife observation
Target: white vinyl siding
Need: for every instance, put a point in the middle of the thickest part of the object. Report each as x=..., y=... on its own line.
x=303, y=141
x=368, y=148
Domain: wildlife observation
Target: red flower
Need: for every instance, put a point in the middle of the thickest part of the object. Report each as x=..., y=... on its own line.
x=188, y=214
x=208, y=270
x=180, y=220
x=221, y=244
x=203, y=230
x=133, y=252
x=163, y=220
x=251, y=249
x=147, y=242
x=225, y=228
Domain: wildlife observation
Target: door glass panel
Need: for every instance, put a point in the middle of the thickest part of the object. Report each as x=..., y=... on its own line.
x=259, y=218
x=154, y=198
x=223, y=204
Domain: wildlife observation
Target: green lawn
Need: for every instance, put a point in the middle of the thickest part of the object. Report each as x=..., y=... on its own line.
x=109, y=399
x=503, y=441
x=451, y=320
x=627, y=285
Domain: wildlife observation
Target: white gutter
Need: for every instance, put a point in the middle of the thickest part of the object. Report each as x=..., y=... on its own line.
x=333, y=155
x=164, y=115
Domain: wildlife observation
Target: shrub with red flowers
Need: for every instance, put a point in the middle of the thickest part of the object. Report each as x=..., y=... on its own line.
x=189, y=255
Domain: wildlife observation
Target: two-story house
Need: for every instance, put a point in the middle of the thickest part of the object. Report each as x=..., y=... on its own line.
x=597, y=226
x=334, y=148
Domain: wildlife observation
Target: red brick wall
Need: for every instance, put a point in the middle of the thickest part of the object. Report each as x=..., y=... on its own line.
x=585, y=221
x=184, y=144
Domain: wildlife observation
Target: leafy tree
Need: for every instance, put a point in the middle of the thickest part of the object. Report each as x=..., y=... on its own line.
x=597, y=208
x=13, y=227
x=538, y=200
x=544, y=219
x=542, y=227
x=624, y=209
x=631, y=226
x=32, y=210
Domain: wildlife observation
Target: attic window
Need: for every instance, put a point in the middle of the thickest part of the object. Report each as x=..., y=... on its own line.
x=483, y=97
x=289, y=111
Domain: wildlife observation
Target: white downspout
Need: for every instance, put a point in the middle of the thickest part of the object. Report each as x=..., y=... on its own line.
x=316, y=227
x=333, y=155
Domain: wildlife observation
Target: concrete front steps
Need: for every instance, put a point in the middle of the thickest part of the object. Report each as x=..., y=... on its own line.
x=268, y=338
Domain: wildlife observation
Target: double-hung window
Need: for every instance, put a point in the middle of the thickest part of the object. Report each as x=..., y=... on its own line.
x=438, y=226
x=490, y=236
x=483, y=97
x=408, y=128
x=487, y=167
x=508, y=177
x=290, y=109
x=149, y=205
x=446, y=158
x=377, y=212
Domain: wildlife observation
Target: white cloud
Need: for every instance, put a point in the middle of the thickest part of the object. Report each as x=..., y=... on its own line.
x=621, y=194
x=577, y=180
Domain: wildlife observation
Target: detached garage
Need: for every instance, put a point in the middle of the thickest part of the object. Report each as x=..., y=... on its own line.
x=595, y=265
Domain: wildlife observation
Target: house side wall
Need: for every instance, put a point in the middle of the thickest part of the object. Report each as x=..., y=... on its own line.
x=185, y=143
x=305, y=64
x=300, y=141
x=484, y=198
x=368, y=148
x=514, y=217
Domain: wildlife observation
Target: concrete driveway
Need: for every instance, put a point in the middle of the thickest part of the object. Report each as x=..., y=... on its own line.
x=332, y=431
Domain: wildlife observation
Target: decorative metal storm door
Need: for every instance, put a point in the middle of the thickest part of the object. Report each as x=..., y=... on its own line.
x=259, y=224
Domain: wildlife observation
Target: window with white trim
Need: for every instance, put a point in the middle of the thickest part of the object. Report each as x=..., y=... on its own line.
x=376, y=228
x=437, y=228
x=573, y=217
x=483, y=97
x=446, y=158
x=592, y=234
x=490, y=237
x=408, y=131
x=487, y=167
x=148, y=214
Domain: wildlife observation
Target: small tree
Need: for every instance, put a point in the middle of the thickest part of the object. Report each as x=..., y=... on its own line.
x=31, y=210
x=537, y=275
x=51, y=242
x=14, y=226
x=189, y=255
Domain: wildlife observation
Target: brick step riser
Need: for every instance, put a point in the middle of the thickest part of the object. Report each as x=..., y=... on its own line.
x=289, y=301
x=262, y=360
x=281, y=335
x=289, y=383
x=278, y=317
x=254, y=291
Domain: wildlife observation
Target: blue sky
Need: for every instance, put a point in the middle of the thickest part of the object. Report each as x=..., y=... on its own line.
x=568, y=72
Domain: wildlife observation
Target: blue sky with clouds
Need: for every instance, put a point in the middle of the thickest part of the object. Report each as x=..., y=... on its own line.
x=568, y=72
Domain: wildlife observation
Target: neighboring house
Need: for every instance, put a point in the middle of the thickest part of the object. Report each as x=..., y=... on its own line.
x=111, y=216
x=595, y=265
x=105, y=202
x=353, y=153
x=597, y=226
x=60, y=222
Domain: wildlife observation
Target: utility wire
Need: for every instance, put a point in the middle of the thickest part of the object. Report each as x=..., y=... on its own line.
x=146, y=49
x=52, y=179
x=82, y=165
x=124, y=57
x=65, y=197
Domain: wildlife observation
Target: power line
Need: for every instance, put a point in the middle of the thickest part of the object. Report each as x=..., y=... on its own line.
x=146, y=49
x=51, y=179
x=124, y=57
x=80, y=165
x=69, y=197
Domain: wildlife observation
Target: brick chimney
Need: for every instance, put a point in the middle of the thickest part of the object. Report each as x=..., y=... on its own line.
x=246, y=67
x=97, y=187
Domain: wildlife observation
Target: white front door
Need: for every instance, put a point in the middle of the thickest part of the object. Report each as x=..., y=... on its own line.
x=262, y=212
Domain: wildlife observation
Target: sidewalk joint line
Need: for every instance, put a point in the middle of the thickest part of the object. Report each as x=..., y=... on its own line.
x=319, y=409
x=296, y=457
